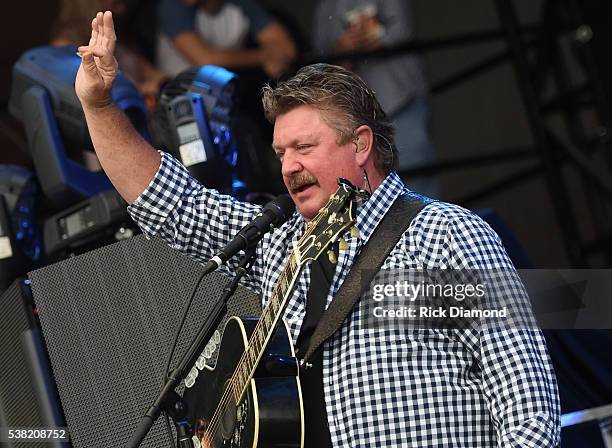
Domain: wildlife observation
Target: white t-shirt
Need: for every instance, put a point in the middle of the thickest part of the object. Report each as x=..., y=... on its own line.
x=228, y=29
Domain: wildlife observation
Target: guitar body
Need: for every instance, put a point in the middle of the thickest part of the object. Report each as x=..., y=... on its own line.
x=270, y=413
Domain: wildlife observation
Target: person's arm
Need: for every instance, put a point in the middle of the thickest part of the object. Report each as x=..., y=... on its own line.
x=165, y=201
x=275, y=52
x=128, y=160
x=518, y=378
x=193, y=48
x=516, y=375
x=276, y=49
x=177, y=22
x=141, y=72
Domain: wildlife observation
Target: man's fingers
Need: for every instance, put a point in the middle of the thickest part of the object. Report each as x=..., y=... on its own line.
x=87, y=59
x=94, y=32
x=109, y=26
x=100, y=25
x=103, y=55
x=109, y=31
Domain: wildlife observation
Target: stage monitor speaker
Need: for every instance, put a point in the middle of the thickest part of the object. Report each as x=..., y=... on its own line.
x=28, y=398
x=109, y=317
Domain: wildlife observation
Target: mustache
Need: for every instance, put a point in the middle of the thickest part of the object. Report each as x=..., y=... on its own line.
x=299, y=180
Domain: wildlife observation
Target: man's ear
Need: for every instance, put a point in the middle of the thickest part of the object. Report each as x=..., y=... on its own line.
x=360, y=144
x=364, y=144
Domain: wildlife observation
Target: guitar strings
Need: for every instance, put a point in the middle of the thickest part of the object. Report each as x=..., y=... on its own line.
x=214, y=423
x=223, y=403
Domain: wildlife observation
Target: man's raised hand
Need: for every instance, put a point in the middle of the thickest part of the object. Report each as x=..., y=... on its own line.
x=98, y=68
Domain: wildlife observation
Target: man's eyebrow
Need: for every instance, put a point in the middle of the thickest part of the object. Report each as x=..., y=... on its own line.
x=294, y=141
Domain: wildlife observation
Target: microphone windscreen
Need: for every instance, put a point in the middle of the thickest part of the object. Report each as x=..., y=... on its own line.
x=279, y=210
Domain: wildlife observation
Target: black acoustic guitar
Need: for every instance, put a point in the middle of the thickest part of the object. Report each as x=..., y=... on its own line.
x=252, y=396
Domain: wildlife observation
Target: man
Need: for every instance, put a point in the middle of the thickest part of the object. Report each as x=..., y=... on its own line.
x=198, y=32
x=372, y=386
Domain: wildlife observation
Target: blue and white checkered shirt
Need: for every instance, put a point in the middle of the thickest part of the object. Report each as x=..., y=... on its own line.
x=386, y=387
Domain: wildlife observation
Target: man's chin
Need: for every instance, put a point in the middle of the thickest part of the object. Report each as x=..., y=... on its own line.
x=308, y=205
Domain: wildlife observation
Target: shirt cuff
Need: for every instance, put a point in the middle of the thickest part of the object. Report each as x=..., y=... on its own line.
x=537, y=432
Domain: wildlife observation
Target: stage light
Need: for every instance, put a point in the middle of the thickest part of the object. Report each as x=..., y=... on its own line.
x=193, y=122
x=20, y=240
x=44, y=100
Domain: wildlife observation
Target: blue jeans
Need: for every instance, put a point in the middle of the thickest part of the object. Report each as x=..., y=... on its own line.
x=414, y=143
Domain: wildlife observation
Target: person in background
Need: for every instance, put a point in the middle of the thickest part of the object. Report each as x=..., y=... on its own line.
x=198, y=32
x=73, y=27
x=345, y=26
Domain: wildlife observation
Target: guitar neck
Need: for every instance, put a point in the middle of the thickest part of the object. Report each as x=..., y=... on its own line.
x=265, y=328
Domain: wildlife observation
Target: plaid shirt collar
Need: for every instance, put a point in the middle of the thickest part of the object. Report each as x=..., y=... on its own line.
x=372, y=211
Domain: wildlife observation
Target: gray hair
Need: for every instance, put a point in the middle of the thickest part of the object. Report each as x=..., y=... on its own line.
x=346, y=102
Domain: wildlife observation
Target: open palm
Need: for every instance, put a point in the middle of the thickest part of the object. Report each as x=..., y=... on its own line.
x=98, y=67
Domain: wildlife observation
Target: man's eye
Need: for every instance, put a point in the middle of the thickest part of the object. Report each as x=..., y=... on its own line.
x=304, y=146
x=279, y=155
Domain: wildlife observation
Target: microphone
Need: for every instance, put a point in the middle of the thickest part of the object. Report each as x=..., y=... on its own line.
x=274, y=213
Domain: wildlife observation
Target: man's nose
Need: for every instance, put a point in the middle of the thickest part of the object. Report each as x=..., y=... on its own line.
x=290, y=164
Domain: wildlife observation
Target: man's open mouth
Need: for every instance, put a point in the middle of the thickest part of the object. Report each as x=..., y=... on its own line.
x=302, y=188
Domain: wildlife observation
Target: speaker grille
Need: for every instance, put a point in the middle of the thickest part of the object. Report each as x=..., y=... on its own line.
x=109, y=317
x=18, y=403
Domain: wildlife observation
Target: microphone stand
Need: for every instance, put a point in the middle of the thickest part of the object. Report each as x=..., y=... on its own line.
x=168, y=400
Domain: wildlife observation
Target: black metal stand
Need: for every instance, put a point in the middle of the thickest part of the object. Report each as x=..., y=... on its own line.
x=168, y=400
x=556, y=186
x=175, y=408
x=551, y=149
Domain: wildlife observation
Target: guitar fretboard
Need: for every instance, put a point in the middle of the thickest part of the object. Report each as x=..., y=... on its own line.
x=264, y=328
